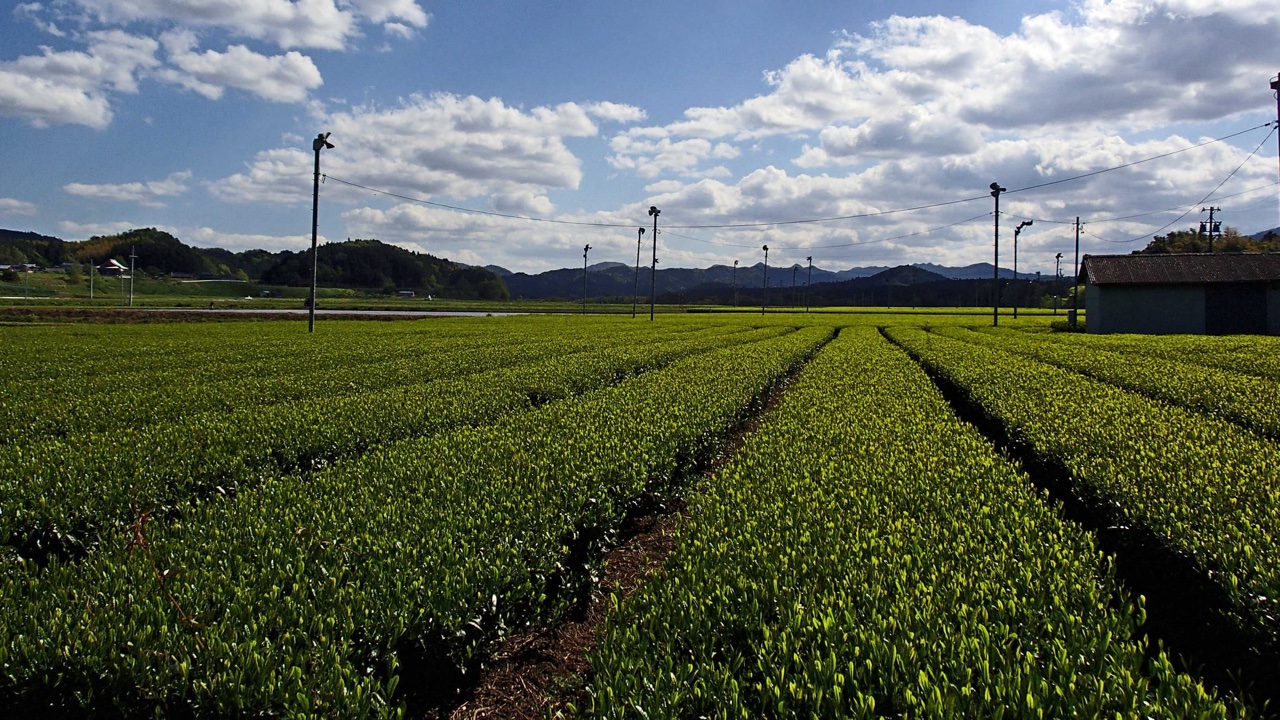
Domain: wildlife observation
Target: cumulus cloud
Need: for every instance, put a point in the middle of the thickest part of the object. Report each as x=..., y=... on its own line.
x=237, y=242
x=34, y=13
x=430, y=146
x=944, y=85
x=650, y=158
x=324, y=24
x=71, y=230
x=615, y=112
x=13, y=206
x=147, y=194
x=481, y=239
x=71, y=86
x=279, y=78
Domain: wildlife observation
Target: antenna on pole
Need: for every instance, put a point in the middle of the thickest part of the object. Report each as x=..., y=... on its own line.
x=808, y=281
x=321, y=141
x=765, y=303
x=586, y=249
x=995, y=288
x=635, y=296
x=1275, y=86
x=654, y=212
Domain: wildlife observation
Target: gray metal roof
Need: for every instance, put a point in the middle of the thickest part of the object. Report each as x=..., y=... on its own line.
x=1176, y=269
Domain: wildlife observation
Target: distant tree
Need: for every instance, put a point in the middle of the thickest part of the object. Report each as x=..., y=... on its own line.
x=73, y=274
x=11, y=255
x=1191, y=241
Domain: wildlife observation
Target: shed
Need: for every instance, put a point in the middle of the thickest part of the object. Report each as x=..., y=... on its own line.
x=1193, y=293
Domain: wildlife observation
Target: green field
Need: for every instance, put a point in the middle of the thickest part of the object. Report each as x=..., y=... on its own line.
x=885, y=514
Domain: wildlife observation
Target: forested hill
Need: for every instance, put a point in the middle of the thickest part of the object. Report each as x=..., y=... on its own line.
x=374, y=265
x=359, y=264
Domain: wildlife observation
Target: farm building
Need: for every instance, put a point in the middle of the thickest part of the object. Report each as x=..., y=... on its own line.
x=112, y=267
x=1200, y=293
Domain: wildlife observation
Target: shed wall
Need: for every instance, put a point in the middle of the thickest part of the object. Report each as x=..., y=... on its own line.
x=1273, y=309
x=1148, y=309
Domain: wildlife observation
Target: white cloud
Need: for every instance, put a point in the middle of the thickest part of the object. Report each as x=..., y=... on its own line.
x=482, y=239
x=71, y=230
x=381, y=11
x=13, y=206
x=70, y=87
x=650, y=158
x=437, y=146
x=147, y=194
x=929, y=85
x=305, y=23
x=279, y=78
x=33, y=13
x=400, y=30
x=912, y=130
x=325, y=24
x=615, y=112
x=236, y=242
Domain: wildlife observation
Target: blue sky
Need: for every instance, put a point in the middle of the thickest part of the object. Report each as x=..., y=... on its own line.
x=196, y=116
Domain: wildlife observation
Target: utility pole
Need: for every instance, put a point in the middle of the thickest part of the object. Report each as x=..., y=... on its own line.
x=995, y=289
x=635, y=296
x=807, y=283
x=1075, y=281
x=1212, y=227
x=765, y=302
x=585, y=250
x=321, y=141
x=1275, y=86
x=132, y=257
x=794, y=268
x=1016, y=232
x=654, y=212
x=735, y=283
x=91, y=269
x=1057, y=276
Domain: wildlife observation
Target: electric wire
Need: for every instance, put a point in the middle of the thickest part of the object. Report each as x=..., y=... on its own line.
x=800, y=221
x=1145, y=160
x=1202, y=200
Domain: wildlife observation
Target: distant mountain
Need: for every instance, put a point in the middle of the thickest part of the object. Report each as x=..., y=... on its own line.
x=1274, y=232
x=618, y=280
x=976, y=271
x=497, y=270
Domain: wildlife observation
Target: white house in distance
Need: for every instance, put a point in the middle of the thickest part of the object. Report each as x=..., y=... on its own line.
x=1193, y=293
x=113, y=267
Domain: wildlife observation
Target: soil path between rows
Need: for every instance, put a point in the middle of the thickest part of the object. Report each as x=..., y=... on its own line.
x=539, y=672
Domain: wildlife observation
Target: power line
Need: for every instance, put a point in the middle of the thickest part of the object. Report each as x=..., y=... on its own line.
x=1117, y=218
x=840, y=245
x=1203, y=199
x=800, y=221
x=1145, y=160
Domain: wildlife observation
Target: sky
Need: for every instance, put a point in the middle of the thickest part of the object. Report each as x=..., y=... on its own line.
x=515, y=133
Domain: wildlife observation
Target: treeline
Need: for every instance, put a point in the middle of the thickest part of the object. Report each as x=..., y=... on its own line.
x=374, y=265
x=359, y=264
x=1191, y=241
